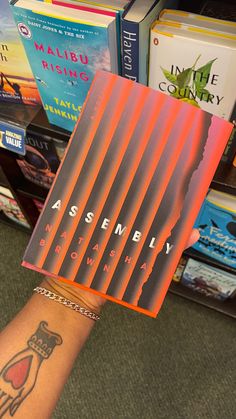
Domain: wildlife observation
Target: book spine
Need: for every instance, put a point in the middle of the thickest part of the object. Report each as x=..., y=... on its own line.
x=230, y=149
x=130, y=50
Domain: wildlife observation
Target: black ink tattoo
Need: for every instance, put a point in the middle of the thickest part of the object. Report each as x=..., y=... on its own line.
x=19, y=375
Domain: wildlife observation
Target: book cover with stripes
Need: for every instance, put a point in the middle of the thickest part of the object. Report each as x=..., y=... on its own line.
x=125, y=198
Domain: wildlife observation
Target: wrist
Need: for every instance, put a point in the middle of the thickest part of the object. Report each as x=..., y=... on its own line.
x=74, y=294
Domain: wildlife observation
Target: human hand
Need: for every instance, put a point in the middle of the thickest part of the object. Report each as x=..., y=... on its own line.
x=86, y=298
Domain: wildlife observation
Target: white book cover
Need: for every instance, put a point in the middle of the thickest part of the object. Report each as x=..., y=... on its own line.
x=199, y=21
x=209, y=280
x=194, y=67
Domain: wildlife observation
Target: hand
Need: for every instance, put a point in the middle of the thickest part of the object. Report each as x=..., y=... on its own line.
x=194, y=237
x=86, y=298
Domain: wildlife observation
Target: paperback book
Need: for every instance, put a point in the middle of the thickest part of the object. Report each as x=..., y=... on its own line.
x=17, y=83
x=202, y=76
x=65, y=47
x=208, y=280
x=217, y=226
x=125, y=198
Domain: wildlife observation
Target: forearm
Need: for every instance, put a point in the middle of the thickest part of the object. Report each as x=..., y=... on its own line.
x=29, y=376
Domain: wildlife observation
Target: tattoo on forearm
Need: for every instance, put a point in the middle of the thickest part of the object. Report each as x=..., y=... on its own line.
x=18, y=377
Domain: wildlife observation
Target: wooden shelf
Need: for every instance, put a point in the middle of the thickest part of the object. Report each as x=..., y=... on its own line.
x=32, y=190
x=225, y=179
x=227, y=307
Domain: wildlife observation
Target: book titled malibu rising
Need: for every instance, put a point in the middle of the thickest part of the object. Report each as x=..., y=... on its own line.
x=124, y=200
x=65, y=47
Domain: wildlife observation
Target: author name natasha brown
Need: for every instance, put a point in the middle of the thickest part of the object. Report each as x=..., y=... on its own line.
x=94, y=250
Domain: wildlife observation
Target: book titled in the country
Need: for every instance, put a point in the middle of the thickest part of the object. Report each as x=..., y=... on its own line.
x=195, y=64
x=125, y=198
x=65, y=47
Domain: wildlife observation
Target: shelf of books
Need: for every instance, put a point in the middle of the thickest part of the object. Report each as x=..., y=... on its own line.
x=227, y=307
x=50, y=53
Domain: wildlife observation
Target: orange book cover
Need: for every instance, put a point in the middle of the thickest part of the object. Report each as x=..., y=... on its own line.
x=125, y=198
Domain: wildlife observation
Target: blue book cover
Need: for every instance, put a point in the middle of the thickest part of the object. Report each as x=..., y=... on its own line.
x=135, y=36
x=64, y=55
x=217, y=225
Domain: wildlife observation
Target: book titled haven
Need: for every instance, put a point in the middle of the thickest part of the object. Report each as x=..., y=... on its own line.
x=124, y=200
x=17, y=83
x=65, y=47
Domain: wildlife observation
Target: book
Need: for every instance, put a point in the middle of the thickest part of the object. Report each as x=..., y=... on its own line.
x=39, y=204
x=10, y=208
x=230, y=149
x=180, y=269
x=135, y=34
x=198, y=21
x=65, y=47
x=219, y=10
x=203, y=75
x=208, y=280
x=17, y=83
x=125, y=198
x=107, y=7
x=217, y=226
x=14, y=120
x=225, y=11
x=40, y=163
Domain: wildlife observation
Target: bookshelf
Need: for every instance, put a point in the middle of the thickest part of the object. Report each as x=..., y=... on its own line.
x=26, y=191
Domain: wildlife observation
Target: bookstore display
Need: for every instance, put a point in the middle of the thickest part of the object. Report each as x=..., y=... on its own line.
x=124, y=202
x=17, y=83
x=50, y=54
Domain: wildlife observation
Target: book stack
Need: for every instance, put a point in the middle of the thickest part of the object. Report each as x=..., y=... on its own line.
x=193, y=59
x=66, y=43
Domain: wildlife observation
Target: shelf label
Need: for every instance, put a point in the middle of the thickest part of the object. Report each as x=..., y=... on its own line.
x=12, y=137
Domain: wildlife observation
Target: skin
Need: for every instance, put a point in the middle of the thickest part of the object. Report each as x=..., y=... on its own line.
x=39, y=346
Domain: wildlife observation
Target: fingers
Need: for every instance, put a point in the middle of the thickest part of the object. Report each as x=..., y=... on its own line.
x=194, y=237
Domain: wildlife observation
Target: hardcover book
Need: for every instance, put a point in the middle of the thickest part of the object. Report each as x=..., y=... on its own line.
x=219, y=10
x=135, y=35
x=14, y=121
x=107, y=7
x=9, y=207
x=198, y=21
x=40, y=163
x=203, y=75
x=208, y=280
x=125, y=198
x=65, y=47
x=17, y=83
x=217, y=225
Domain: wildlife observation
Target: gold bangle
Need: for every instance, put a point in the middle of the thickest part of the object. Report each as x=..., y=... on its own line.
x=67, y=303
